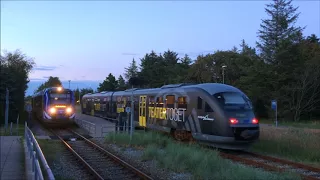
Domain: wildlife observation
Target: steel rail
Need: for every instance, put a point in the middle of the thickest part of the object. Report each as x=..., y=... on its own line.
x=260, y=164
x=115, y=158
x=283, y=161
x=95, y=173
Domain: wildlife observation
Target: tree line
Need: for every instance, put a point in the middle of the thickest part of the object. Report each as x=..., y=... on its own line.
x=14, y=70
x=284, y=66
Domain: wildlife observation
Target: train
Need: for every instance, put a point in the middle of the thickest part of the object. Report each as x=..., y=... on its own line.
x=218, y=115
x=54, y=106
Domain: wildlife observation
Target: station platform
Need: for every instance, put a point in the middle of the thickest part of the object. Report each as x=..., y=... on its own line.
x=96, y=126
x=12, y=158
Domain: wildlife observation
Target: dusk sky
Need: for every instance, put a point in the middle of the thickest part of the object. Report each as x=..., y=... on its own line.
x=87, y=40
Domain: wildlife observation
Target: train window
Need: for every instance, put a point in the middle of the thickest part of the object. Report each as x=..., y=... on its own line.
x=199, y=103
x=207, y=108
x=159, y=101
x=233, y=100
x=170, y=100
x=151, y=99
x=182, y=102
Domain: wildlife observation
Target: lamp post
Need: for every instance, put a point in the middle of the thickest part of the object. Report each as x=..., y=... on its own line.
x=223, y=67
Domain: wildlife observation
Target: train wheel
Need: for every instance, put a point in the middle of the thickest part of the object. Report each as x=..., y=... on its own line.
x=182, y=135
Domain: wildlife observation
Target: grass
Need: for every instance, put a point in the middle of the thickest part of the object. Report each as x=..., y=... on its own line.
x=52, y=150
x=298, y=144
x=4, y=132
x=301, y=124
x=200, y=162
x=22, y=158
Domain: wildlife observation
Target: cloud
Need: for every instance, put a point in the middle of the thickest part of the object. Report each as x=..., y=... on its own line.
x=130, y=54
x=36, y=79
x=45, y=68
x=46, y=77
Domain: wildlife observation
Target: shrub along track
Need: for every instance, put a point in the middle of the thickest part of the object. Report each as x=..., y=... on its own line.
x=99, y=162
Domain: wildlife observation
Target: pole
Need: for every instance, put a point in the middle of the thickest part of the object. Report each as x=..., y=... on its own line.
x=18, y=125
x=69, y=84
x=79, y=94
x=7, y=109
x=277, y=115
x=223, y=75
x=132, y=115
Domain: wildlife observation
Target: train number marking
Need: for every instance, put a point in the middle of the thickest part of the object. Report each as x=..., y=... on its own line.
x=205, y=118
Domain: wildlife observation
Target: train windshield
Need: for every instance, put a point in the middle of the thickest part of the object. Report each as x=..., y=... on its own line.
x=60, y=98
x=233, y=100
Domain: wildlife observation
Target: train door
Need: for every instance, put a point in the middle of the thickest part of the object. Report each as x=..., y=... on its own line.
x=92, y=107
x=142, y=111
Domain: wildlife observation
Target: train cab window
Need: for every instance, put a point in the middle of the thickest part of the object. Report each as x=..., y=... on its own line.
x=182, y=102
x=159, y=102
x=207, y=108
x=170, y=100
x=199, y=103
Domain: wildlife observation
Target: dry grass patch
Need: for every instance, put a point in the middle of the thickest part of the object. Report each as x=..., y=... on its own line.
x=297, y=144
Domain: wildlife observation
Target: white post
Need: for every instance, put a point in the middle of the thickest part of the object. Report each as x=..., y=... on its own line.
x=79, y=96
x=18, y=125
x=7, y=109
x=132, y=115
x=277, y=115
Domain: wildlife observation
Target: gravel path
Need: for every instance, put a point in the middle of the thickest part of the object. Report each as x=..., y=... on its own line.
x=133, y=157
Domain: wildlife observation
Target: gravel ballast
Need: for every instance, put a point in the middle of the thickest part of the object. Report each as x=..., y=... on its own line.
x=134, y=157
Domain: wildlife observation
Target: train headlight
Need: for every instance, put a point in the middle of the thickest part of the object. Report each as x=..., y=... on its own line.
x=69, y=110
x=52, y=110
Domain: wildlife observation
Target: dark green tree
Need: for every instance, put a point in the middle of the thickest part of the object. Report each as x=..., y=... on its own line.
x=82, y=92
x=132, y=70
x=169, y=67
x=51, y=82
x=152, y=70
x=183, y=68
x=276, y=31
x=121, y=83
x=109, y=84
x=14, y=70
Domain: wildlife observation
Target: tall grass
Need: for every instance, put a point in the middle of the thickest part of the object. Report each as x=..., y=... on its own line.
x=200, y=162
x=301, y=124
x=14, y=130
x=293, y=143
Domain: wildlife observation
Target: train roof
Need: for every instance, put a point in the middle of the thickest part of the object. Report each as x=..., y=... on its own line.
x=211, y=88
x=48, y=89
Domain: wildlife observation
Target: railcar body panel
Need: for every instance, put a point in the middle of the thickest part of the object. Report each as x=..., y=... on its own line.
x=204, y=110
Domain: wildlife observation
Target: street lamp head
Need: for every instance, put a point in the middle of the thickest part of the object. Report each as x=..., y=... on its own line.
x=224, y=66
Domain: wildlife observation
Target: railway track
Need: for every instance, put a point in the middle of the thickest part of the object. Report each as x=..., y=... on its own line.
x=99, y=162
x=273, y=164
